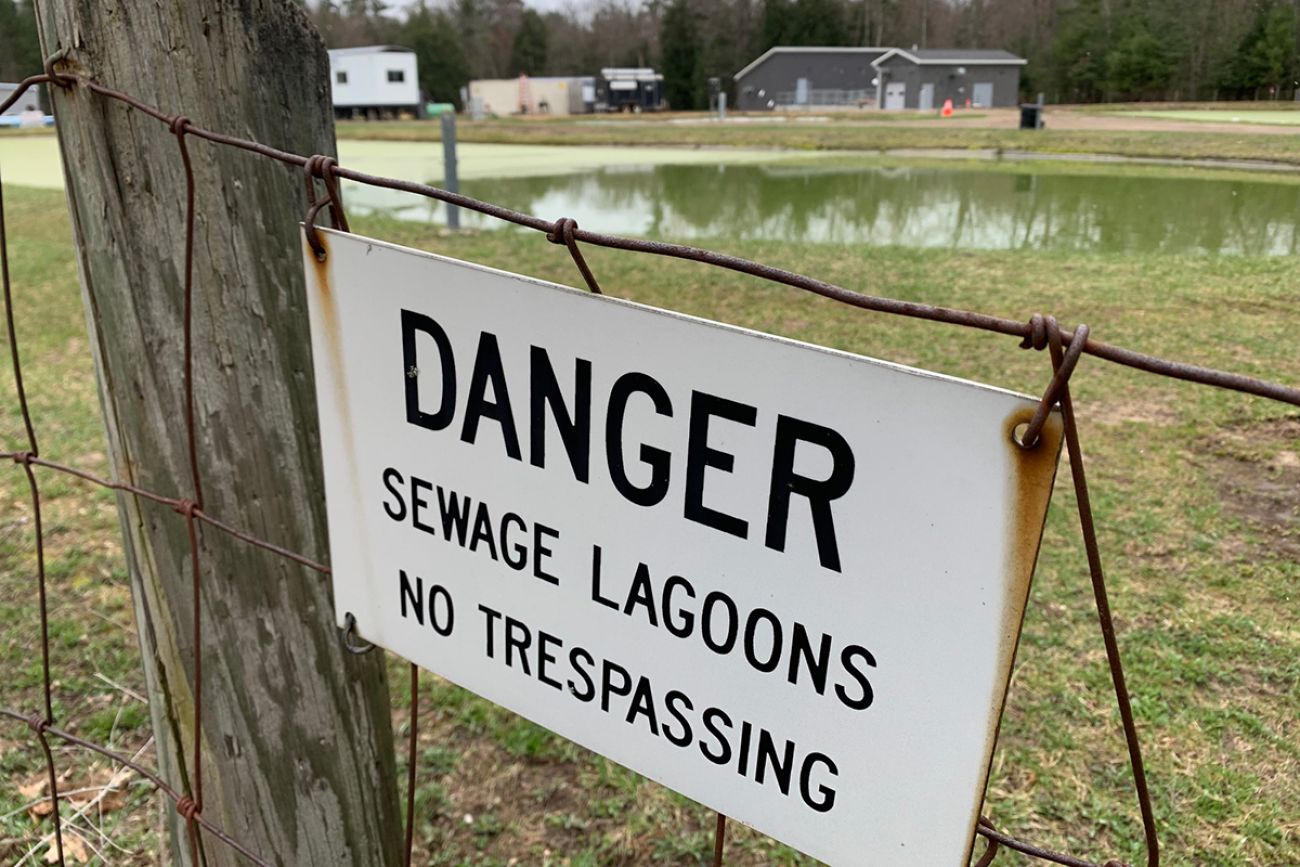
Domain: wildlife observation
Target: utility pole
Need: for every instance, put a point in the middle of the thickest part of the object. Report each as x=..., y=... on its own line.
x=298, y=760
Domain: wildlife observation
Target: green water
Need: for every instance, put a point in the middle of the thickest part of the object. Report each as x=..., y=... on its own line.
x=33, y=160
x=716, y=194
x=959, y=206
x=30, y=160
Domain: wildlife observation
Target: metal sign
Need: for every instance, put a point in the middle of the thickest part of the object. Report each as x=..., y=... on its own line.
x=782, y=580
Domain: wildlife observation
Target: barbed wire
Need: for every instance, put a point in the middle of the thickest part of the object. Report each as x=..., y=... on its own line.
x=1065, y=346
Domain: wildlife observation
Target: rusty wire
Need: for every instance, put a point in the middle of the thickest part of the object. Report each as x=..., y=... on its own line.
x=411, y=747
x=1101, y=599
x=1065, y=347
x=719, y=838
x=190, y=805
x=39, y=724
x=152, y=776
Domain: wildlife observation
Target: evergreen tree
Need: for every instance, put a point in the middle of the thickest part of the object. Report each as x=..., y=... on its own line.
x=1080, y=48
x=20, y=50
x=778, y=23
x=1268, y=54
x=8, y=32
x=805, y=22
x=438, y=53
x=1138, y=67
x=528, y=53
x=677, y=35
x=819, y=22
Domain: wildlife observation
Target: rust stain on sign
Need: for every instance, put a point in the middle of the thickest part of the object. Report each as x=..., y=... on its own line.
x=327, y=303
x=329, y=315
x=320, y=265
x=1034, y=475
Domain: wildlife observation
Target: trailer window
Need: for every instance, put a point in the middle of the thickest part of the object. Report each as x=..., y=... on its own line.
x=396, y=76
x=340, y=77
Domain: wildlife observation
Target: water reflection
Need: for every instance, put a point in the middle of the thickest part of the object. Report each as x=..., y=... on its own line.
x=909, y=206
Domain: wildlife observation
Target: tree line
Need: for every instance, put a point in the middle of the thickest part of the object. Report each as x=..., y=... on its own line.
x=20, y=50
x=1078, y=50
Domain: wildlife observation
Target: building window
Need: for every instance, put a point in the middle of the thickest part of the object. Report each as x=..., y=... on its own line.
x=396, y=76
x=341, y=77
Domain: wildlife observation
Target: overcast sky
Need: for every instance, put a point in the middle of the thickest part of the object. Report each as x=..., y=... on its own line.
x=540, y=5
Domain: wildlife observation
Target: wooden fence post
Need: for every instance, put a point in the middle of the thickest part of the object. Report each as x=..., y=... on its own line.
x=298, y=750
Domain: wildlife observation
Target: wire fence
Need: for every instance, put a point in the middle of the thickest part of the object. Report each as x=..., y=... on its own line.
x=1065, y=347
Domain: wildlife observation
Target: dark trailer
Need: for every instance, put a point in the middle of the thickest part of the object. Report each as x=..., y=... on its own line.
x=630, y=89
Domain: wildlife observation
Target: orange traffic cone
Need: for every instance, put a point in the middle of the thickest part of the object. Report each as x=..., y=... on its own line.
x=947, y=108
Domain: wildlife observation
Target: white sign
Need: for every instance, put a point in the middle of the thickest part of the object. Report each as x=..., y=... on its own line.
x=782, y=580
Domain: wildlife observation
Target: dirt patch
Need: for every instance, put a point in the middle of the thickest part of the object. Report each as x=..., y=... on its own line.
x=484, y=802
x=1256, y=468
x=1155, y=410
x=493, y=789
x=499, y=801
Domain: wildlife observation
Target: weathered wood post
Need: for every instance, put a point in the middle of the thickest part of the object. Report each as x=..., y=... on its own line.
x=298, y=750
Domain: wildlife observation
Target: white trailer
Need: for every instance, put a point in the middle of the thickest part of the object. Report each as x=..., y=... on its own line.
x=30, y=101
x=26, y=111
x=374, y=81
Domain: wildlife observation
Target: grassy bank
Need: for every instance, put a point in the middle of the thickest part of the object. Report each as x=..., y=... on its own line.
x=1247, y=105
x=1195, y=494
x=1282, y=117
x=846, y=136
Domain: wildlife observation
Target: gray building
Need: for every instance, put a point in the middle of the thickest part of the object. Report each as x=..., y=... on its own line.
x=890, y=78
x=923, y=78
x=808, y=77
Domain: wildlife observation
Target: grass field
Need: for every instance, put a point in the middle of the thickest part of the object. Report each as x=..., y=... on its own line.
x=1202, y=105
x=1284, y=117
x=1196, y=492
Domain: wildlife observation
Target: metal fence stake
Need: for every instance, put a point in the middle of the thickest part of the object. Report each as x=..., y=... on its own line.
x=450, y=179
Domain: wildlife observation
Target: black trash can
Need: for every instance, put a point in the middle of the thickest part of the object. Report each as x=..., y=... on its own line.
x=1031, y=116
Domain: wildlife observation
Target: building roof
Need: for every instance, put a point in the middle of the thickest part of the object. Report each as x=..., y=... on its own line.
x=950, y=56
x=370, y=49
x=808, y=49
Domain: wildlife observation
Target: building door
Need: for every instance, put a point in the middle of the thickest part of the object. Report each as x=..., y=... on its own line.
x=925, y=100
x=801, y=89
x=895, y=94
x=982, y=95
